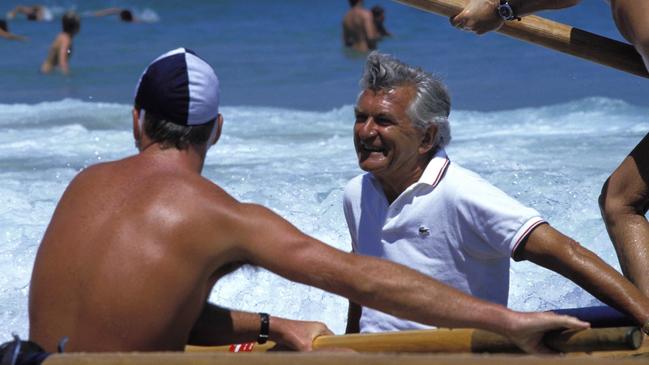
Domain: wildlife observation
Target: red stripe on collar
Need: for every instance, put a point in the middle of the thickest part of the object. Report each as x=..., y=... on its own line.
x=436, y=169
x=441, y=172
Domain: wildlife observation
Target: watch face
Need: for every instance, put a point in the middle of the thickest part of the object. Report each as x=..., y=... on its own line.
x=505, y=11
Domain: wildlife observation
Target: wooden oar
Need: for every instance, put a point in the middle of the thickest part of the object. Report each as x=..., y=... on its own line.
x=554, y=35
x=460, y=341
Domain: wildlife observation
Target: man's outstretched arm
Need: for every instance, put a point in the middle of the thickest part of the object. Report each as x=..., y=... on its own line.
x=222, y=326
x=379, y=284
x=480, y=16
x=551, y=249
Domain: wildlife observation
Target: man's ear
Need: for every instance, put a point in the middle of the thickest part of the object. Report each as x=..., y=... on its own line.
x=428, y=140
x=217, y=132
x=137, y=133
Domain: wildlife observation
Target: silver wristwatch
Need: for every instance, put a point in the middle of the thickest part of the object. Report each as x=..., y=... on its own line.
x=506, y=11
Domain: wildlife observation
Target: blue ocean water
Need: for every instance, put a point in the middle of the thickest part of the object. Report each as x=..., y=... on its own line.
x=288, y=54
x=545, y=127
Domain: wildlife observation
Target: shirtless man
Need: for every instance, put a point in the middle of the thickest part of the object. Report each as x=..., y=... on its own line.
x=625, y=195
x=135, y=246
x=61, y=48
x=359, y=31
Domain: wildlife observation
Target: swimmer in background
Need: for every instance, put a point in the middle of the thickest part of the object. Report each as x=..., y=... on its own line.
x=61, y=47
x=125, y=15
x=378, y=15
x=359, y=32
x=32, y=12
x=5, y=33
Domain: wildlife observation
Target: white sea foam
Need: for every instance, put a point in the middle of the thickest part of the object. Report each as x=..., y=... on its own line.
x=554, y=158
x=148, y=15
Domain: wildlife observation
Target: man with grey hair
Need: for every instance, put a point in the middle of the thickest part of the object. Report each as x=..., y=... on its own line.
x=417, y=208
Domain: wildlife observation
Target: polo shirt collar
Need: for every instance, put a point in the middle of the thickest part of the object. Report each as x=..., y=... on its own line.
x=436, y=168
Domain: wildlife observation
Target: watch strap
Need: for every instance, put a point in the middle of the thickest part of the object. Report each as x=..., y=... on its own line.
x=264, y=328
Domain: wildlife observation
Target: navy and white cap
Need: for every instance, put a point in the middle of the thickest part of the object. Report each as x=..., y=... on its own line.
x=180, y=87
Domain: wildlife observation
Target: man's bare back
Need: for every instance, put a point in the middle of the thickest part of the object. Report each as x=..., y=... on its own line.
x=127, y=230
x=359, y=31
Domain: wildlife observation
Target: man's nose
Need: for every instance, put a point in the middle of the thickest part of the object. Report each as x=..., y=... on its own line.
x=367, y=129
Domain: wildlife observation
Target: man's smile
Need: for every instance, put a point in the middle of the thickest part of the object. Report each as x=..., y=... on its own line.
x=372, y=149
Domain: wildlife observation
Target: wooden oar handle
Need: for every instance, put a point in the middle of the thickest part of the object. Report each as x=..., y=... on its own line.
x=466, y=340
x=596, y=339
x=554, y=35
x=457, y=341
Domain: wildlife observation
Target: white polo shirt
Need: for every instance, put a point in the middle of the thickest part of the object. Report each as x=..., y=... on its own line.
x=451, y=225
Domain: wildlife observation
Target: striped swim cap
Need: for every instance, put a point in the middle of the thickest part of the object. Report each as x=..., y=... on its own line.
x=179, y=87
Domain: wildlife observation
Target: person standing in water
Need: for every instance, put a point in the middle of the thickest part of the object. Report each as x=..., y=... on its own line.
x=61, y=48
x=359, y=31
x=378, y=15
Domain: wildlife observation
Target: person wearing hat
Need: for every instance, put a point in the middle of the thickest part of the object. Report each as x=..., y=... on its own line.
x=135, y=246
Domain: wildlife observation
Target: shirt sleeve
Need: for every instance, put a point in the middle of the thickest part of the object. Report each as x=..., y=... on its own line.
x=492, y=222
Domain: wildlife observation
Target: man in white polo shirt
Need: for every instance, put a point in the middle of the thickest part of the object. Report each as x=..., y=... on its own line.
x=416, y=207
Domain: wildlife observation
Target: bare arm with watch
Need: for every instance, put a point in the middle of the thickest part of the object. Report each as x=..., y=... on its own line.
x=222, y=326
x=482, y=16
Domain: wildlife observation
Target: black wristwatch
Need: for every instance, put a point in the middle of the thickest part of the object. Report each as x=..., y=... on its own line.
x=264, y=329
x=506, y=11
